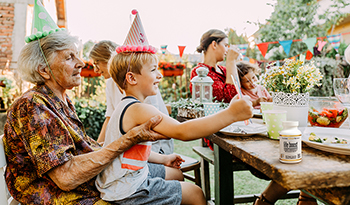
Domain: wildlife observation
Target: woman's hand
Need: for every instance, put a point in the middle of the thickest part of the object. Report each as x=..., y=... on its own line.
x=241, y=108
x=173, y=160
x=232, y=54
x=145, y=131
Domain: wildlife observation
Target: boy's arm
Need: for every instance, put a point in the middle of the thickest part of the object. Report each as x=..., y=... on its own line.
x=238, y=110
x=171, y=160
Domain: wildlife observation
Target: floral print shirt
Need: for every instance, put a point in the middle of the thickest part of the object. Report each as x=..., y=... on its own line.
x=41, y=133
x=221, y=90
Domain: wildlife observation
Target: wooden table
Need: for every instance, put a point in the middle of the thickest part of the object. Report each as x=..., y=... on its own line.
x=317, y=170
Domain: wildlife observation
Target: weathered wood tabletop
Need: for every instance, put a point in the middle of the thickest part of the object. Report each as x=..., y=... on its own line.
x=318, y=169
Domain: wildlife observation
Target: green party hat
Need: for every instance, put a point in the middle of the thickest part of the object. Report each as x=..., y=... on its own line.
x=43, y=24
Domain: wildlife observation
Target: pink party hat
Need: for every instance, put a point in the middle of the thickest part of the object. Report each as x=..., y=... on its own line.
x=136, y=40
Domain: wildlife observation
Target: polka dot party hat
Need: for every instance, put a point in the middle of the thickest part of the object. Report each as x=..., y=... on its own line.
x=43, y=24
x=136, y=40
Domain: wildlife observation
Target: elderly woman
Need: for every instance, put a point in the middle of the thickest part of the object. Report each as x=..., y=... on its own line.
x=50, y=158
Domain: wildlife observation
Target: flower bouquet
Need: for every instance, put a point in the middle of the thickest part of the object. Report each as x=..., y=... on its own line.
x=290, y=85
x=292, y=77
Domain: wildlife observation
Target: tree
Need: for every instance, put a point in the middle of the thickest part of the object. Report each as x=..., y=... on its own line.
x=234, y=39
x=298, y=19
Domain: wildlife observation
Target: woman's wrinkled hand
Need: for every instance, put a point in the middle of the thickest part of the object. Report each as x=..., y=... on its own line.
x=144, y=132
x=242, y=108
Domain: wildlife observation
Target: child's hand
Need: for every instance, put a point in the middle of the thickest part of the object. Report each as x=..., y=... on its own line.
x=173, y=160
x=259, y=100
x=242, y=109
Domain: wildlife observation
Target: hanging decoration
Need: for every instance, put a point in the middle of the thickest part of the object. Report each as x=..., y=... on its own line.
x=335, y=41
x=243, y=48
x=163, y=48
x=308, y=55
x=310, y=43
x=321, y=44
x=181, y=50
x=263, y=48
x=286, y=45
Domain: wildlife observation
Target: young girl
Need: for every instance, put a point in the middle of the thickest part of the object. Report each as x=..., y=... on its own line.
x=257, y=93
x=130, y=179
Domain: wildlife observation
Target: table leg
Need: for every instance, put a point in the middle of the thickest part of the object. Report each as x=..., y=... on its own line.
x=223, y=176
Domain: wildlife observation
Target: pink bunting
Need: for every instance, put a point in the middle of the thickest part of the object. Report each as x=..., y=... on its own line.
x=321, y=44
x=263, y=48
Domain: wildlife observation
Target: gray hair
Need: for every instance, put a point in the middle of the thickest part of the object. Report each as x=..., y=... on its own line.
x=31, y=58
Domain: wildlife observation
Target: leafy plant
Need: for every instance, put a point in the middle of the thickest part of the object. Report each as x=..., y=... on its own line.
x=92, y=115
x=184, y=103
x=330, y=69
x=299, y=19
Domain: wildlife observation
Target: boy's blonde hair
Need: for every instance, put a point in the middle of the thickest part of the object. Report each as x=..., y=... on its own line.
x=245, y=67
x=123, y=62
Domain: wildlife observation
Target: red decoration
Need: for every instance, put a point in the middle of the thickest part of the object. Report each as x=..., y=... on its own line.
x=181, y=50
x=88, y=71
x=134, y=12
x=168, y=73
x=263, y=48
x=308, y=55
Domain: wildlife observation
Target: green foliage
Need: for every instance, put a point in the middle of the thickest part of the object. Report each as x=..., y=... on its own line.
x=330, y=69
x=297, y=19
x=184, y=103
x=341, y=50
x=87, y=48
x=92, y=114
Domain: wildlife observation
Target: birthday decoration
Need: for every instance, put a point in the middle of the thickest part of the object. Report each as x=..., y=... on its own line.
x=243, y=48
x=286, y=45
x=181, y=50
x=43, y=24
x=136, y=40
x=334, y=40
x=263, y=48
x=163, y=48
x=310, y=43
x=321, y=44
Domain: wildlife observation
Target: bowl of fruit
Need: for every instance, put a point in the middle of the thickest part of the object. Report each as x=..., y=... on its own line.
x=326, y=112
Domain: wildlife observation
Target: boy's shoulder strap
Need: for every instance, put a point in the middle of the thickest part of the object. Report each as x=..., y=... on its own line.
x=127, y=101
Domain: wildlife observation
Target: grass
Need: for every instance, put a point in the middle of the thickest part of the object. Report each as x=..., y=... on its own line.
x=244, y=181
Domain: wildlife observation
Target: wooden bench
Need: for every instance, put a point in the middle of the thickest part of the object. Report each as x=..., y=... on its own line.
x=207, y=156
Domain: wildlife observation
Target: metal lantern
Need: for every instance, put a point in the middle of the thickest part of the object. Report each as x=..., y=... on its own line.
x=202, y=90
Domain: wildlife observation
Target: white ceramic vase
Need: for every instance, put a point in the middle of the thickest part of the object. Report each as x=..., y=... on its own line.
x=296, y=105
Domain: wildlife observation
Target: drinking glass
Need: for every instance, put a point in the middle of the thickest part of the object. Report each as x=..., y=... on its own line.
x=341, y=88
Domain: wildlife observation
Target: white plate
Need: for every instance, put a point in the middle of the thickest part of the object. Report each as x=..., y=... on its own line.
x=251, y=129
x=257, y=113
x=323, y=132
